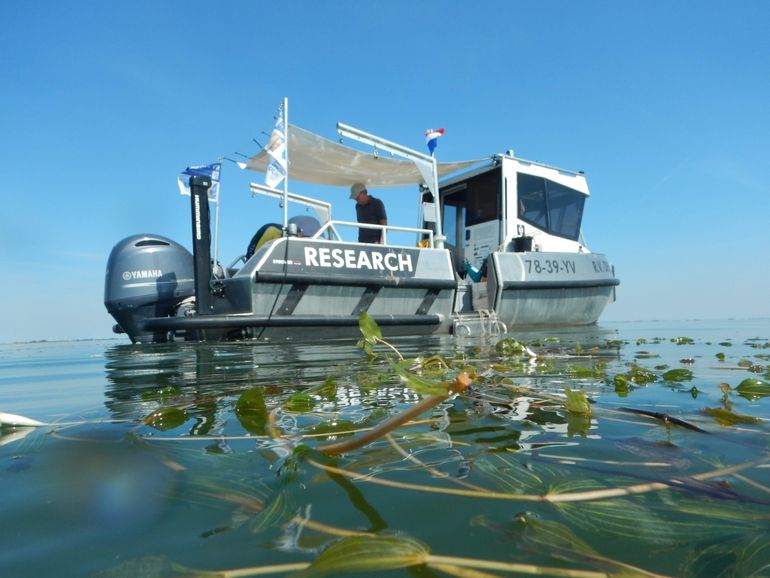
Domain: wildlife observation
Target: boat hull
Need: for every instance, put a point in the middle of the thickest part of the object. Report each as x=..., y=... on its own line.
x=548, y=289
x=315, y=289
x=306, y=288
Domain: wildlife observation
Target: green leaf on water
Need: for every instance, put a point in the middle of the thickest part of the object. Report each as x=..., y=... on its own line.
x=334, y=427
x=366, y=347
x=752, y=388
x=577, y=402
x=640, y=376
x=559, y=536
x=369, y=328
x=327, y=390
x=501, y=368
x=627, y=519
x=418, y=383
x=720, y=356
x=166, y=418
x=738, y=557
x=621, y=385
x=677, y=375
x=646, y=355
x=555, y=538
x=251, y=410
x=578, y=424
x=277, y=511
x=509, y=347
x=299, y=402
x=682, y=340
x=435, y=364
x=578, y=349
x=585, y=372
x=364, y=554
x=726, y=417
x=508, y=476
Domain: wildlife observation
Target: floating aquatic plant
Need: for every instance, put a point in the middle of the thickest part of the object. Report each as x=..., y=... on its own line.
x=636, y=375
x=166, y=418
x=251, y=410
x=363, y=554
x=511, y=347
x=725, y=417
x=677, y=375
x=577, y=402
x=753, y=389
x=646, y=355
x=436, y=391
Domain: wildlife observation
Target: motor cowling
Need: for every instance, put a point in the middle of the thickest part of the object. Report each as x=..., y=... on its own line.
x=147, y=276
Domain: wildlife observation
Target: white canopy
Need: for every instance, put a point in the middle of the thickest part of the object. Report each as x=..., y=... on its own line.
x=314, y=159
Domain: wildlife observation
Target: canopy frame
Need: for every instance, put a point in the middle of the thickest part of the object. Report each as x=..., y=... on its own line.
x=425, y=164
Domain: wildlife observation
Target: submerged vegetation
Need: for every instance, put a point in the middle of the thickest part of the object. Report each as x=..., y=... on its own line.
x=552, y=457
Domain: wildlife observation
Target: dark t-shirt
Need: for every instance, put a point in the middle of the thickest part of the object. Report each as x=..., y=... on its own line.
x=372, y=213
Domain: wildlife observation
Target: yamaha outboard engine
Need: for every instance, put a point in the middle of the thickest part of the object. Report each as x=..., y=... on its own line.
x=147, y=276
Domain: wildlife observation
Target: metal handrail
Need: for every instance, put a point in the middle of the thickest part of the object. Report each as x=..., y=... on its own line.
x=330, y=226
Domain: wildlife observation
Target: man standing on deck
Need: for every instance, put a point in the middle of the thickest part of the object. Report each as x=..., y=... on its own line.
x=369, y=210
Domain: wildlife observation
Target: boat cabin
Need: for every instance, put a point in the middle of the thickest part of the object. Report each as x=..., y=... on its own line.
x=510, y=205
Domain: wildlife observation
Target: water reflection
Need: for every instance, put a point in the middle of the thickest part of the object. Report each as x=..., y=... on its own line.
x=206, y=379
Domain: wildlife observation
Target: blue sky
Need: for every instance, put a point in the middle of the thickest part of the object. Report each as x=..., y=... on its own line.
x=663, y=104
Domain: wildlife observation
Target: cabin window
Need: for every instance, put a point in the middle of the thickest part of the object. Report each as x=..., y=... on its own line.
x=481, y=195
x=565, y=210
x=549, y=206
x=532, y=201
x=450, y=224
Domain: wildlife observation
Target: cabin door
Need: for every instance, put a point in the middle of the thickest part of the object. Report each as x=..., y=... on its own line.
x=472, y=218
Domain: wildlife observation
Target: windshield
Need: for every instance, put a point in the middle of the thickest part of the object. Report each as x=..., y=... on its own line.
x=550, y=206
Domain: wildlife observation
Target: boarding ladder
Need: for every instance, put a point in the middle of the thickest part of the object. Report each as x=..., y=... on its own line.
x=477, y=324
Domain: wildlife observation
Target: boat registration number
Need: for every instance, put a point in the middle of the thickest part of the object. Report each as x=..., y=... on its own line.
x=550, y=266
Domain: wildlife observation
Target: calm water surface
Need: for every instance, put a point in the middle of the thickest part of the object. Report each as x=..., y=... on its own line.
x=166, y=460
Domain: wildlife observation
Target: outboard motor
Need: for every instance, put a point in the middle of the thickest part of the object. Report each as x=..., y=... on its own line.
x=147, y=276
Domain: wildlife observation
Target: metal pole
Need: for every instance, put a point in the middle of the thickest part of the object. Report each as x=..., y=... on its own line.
x=439, y=240
x=216, y=222
x=286, y=156
x=201, y=237
x=397, y=149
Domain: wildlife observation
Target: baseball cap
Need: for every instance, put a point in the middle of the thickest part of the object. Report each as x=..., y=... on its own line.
x=356, y=189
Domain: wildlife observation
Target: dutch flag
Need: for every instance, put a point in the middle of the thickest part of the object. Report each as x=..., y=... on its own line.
x=431, y=136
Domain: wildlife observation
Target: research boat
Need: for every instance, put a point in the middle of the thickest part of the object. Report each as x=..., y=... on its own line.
x=499, y=246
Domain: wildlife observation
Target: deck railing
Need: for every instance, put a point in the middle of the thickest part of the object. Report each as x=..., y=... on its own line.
x=330, y=227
